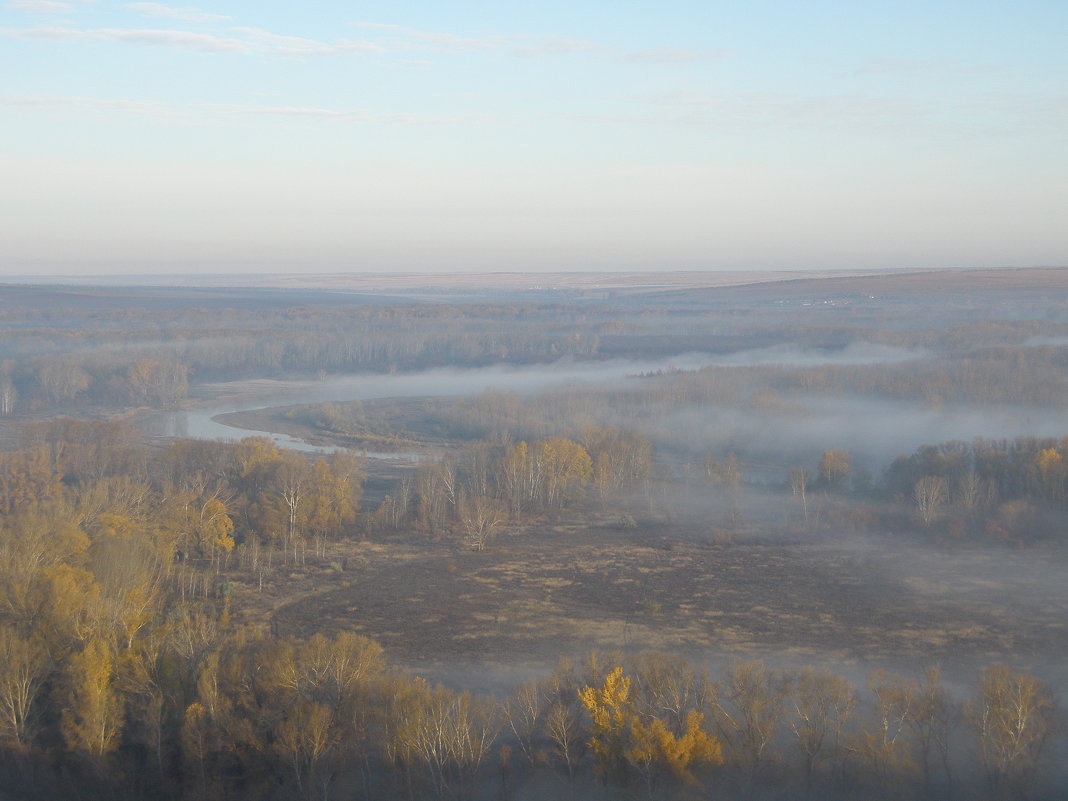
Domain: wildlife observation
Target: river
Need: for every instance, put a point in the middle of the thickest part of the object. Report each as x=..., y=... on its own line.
x=202, y=422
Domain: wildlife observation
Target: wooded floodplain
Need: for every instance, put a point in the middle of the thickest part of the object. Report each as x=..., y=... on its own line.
x=605, y=540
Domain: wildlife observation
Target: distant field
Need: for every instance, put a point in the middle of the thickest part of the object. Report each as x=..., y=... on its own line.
x=251, y=290
x=828, y=280
x=374, y=282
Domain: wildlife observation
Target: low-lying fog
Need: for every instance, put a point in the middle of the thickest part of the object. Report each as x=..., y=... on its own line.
x=793, y=356
x=772, y=439
x=873, y=432
x=440, y=382
x=906, y=578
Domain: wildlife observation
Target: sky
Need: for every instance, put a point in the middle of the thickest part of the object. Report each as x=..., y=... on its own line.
x=417, y=136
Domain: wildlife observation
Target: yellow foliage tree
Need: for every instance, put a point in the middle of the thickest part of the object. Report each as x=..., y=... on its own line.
x=655, y=749
x=196, y=741
x=27, y=477
x=92, y=713
x=833, y=468
x=334, y=498
x=71, y=603
x=619, y=457
x=566, y=468
x=215, y=528
x=610, y=709
x=32, y=542
x=1052, y=472
x=622, y=736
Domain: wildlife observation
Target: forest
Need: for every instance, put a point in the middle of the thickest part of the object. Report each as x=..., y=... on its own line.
x=800, y=539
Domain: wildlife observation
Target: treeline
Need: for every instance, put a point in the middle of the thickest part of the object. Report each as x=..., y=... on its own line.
x=485, y=486
x=147, y=356
x=983, y=491
x=1003, y=491
x=113, y=585
x=1028, y=375
x=204, y=495
x=1007, y=490
x=715, y=398
x=196, y=708
x=63, y=380
x=126, y=667
x=1013, y=491
x=130, y=347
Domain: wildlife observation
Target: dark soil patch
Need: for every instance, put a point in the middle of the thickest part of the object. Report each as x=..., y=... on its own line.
x=560, y=590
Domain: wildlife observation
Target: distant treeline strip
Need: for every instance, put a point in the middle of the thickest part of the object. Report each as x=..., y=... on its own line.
x=59, y=355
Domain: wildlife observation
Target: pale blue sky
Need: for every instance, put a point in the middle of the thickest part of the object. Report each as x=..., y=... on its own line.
x=422, y=136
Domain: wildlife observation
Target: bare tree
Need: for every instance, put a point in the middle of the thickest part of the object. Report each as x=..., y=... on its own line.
x=821, y=704
x=883, y=742
x=1014, y=715
x=727, y=474
x=23, y=668
x=8, y=396
x=800, y=478
x=292, y=482
x=476, y=466
x=306, y=738
x=453, y=734
x=750, y=711
x=480, y=517
x=973, y=493
x=933, y=717
x=434, y=494
x=563, y=727
x=62, y=381
x=931, y=494
x=524, y=711
x=669, y=687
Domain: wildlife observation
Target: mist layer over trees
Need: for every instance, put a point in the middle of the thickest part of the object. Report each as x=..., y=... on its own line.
x=826, y=563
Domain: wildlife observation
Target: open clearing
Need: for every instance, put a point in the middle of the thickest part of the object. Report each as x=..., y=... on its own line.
x=561, y=589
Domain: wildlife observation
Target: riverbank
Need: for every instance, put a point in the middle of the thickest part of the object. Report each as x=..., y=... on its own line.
x=398, y=430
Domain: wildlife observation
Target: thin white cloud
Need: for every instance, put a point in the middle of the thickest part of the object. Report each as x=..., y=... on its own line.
x=300, y=46
x=47, y=6
x=400, y=38
x=94, y=103
x=169, y=38
x=908, y=66
x=882, y=66
x=382, y=38
x=204, y=111
x=672, y=55
x=985, y=114
x=773, y=109
x=41, y=32
x=296, y=111
x=243, y=40
x=558, y=47
x=185, y=14
x=360, y=116
x=290, y=45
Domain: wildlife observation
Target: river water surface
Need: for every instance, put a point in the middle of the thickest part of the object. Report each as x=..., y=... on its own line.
x=249, y=395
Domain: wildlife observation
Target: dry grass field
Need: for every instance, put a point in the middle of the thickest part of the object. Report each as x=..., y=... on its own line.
x=561, y=589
